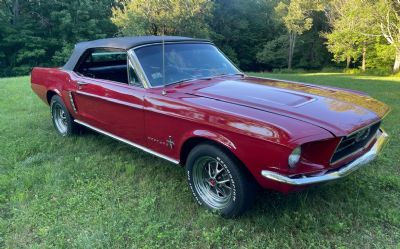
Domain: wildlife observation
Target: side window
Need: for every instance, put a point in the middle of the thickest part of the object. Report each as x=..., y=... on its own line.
x=107, y=57
x=107, y=64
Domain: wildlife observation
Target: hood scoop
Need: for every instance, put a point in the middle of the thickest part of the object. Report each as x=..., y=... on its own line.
x=255, y=95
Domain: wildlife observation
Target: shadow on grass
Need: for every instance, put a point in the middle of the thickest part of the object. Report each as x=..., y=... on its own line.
x=331, y=197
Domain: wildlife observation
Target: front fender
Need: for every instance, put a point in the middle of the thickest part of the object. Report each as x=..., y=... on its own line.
x=208, y=135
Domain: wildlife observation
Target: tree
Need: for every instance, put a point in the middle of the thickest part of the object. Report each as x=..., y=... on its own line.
x=343, y=46
x=241, y=28
x=340, y=41
x=255, y=34
x=274, y=53
x=43, y=32
x=154, y=17
x=296, y=16
x=311, y=51
x=387, y=13
x=353, y=27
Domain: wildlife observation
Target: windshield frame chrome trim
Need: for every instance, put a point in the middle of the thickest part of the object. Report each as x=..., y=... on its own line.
x=138, y=68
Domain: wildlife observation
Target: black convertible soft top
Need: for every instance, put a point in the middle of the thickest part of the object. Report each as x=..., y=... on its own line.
x=124, y=43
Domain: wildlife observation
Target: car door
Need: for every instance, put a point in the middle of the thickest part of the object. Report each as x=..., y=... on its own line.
x=111, y=106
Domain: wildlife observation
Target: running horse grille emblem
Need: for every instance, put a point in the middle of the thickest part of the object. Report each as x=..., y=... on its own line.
x=363, y=135
x=170, y=142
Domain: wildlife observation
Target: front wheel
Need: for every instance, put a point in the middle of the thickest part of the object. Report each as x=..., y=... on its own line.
x=218, y=181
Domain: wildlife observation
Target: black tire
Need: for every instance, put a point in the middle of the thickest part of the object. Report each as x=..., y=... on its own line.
x=67, y=126
x=230, y=201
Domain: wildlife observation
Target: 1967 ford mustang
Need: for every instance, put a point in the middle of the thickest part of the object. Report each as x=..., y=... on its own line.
x=182, y=100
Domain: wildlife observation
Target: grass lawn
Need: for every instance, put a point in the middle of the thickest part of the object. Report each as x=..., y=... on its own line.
x=90, y=191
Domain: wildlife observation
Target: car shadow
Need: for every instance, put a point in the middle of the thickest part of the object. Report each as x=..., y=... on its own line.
x=333, y=197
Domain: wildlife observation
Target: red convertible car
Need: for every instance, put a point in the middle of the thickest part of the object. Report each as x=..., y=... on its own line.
x=182, y=100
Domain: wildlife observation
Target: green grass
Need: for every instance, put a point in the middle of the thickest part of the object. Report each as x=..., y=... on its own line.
x=93, y=192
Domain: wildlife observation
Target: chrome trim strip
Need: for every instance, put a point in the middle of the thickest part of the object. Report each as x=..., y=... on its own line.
x=110, y=100
x=364, y=127
x=127, y=142
x=342, y=172
x=130, y=64
x=127, y=67
x=138, y=68
x=71, y=99
x=337, y=147
x=226, y=57
x=170, y=42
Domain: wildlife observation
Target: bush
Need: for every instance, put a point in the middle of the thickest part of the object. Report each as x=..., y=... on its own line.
x=370, y=71
x=379, y=71
x=397, y=75
x=289, y=71
x=331, y=70
x=352, y=71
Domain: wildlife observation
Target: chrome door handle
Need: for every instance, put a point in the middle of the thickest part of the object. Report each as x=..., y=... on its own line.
x=82, y=83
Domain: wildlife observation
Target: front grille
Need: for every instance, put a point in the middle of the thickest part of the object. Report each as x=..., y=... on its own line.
x=355, y=142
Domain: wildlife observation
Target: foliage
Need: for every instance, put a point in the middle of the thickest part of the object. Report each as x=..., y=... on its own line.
x=381, y=56
x=363, y=33
x=38, y=32
x=310, y=51
x=296, y=14
x=387, y=13
x=344, y=46
x=90, y=191
x=240, y=29
x=358, y=28
x=154, y=17
x=274, y=53
x=297, y=18
x=352, y=23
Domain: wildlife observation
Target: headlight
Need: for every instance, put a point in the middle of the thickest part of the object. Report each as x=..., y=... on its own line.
x=294, y=158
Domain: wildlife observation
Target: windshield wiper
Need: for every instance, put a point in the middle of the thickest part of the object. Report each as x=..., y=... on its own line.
x=203, y=78
x=233, y=74
x=226, y=74
x=181, y=81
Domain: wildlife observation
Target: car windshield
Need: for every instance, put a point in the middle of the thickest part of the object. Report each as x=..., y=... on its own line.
x=183, y=61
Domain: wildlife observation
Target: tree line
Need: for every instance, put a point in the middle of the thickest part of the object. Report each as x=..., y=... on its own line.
x=256, y=34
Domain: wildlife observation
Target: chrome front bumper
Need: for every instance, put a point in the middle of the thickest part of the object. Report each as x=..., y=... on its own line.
x=332, y=175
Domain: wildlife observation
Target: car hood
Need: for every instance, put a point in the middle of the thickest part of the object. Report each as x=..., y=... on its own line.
x=336, y=110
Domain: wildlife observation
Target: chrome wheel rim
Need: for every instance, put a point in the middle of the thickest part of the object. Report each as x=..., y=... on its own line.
x=212, y=182
x=60, y=119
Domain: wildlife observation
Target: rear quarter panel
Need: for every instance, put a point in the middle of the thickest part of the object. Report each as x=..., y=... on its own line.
x=44, y=80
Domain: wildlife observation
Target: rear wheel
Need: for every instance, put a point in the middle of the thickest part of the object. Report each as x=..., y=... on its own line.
x=62, y=119
x=218, y=181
